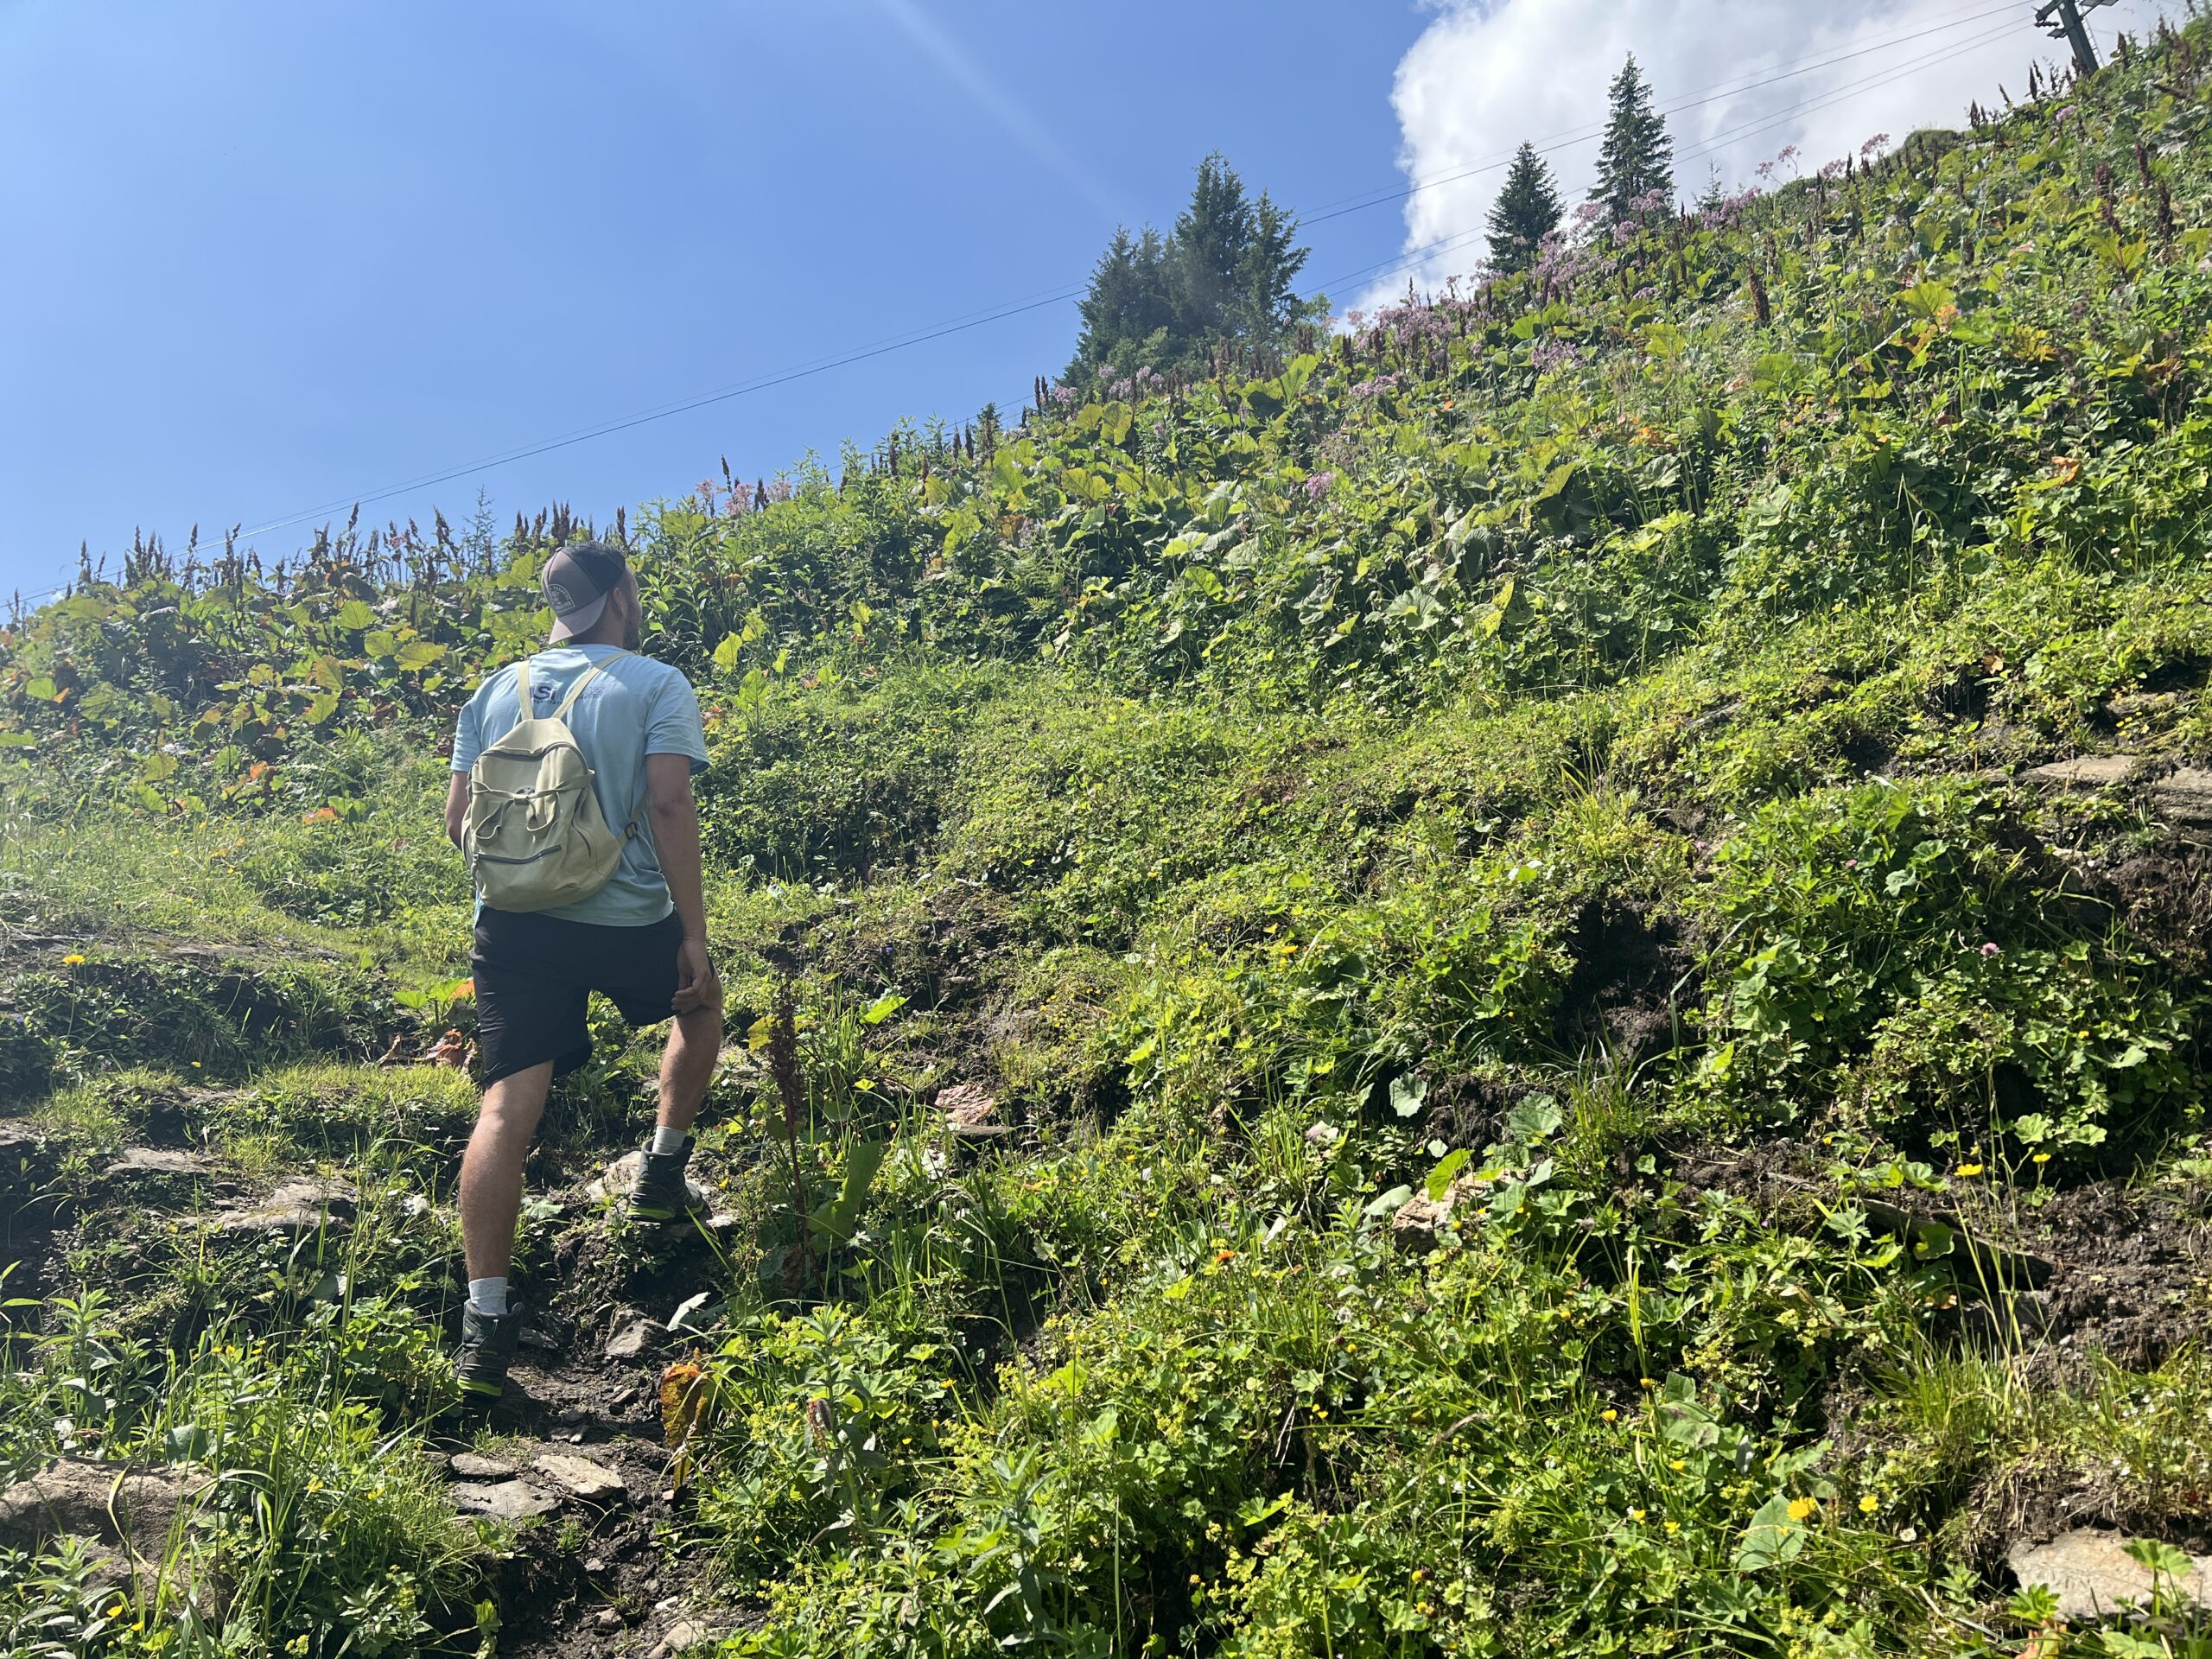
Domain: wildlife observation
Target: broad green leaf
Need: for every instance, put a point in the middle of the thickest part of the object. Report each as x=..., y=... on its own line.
x=1440, y=1179
x=1407, y=1095
x=1771, y=1538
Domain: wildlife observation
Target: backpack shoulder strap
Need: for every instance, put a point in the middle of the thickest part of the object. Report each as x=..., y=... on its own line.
x=522, y=689
x=582, y=680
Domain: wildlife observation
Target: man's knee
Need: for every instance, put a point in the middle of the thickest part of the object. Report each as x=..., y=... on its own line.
x=511, y=1107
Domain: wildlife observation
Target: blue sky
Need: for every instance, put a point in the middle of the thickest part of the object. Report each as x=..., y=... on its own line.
x=263, y=257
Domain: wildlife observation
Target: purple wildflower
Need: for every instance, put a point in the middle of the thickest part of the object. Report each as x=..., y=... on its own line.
x=1320, y=485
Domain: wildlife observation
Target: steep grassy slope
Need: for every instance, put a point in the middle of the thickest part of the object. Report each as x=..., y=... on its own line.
x=1586, y=908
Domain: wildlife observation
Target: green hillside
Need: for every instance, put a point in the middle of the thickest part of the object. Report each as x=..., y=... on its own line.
x=1582, y=914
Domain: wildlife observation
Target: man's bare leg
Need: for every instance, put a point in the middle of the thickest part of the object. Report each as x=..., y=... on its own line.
x=687, y=1065
x=661, y=1191
x=491, y=1170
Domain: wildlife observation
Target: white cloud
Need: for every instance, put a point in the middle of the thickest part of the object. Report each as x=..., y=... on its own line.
x=1489, y=74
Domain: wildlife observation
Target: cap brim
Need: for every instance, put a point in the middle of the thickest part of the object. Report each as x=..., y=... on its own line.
x=579, y=621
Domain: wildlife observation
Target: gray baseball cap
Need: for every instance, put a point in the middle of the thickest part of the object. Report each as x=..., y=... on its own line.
x=577, y=581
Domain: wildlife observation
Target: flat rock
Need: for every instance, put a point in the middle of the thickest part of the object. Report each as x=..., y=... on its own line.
x=2091, y=1574
x=470, y=1466
x=134, y=1511
x=634, y=1339
x=1416, y=1223
x=2086, y=772
x=502, y=1500
x=154, y=1160
x=684, y=1633
x=297, y=1206
x=594, y=1483
x=966, y=1102
x=2185, y=798
x=615, y=1183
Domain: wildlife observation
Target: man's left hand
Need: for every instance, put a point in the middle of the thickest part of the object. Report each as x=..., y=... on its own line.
x=697, y=985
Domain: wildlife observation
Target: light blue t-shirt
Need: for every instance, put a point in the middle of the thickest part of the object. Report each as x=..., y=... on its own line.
x=634, y=706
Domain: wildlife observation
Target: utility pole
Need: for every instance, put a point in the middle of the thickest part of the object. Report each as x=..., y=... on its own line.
x=2066, y=26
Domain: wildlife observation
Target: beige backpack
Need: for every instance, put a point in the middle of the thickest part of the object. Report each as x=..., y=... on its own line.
x=535, y=837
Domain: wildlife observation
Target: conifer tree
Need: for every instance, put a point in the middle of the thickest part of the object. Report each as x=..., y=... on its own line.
x=1527, y=211
x=1637, y=158
x=1226, y=272
x=1129, y=299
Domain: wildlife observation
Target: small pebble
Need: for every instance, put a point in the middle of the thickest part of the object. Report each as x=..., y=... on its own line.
x=596, y=1566
x=608, y=1619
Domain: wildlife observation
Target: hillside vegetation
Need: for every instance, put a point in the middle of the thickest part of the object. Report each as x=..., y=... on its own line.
x=1580, y=913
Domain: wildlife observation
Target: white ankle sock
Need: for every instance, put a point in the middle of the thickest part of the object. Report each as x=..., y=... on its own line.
x=666, y=1139
x=488, y=1295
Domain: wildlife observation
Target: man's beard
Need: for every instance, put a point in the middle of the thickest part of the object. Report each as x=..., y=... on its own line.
x=634, y=631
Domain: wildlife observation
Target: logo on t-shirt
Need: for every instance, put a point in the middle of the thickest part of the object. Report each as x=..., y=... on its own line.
x=541, y=696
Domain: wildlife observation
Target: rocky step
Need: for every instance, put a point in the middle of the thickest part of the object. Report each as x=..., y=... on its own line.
x=533, y=1482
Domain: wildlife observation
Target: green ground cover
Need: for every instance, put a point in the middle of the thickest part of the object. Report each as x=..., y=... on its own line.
x=1574, y=1081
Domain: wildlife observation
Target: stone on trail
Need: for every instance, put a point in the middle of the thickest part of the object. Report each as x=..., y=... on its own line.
x=2091, y=1573
x=296, y=1206
x=968, y=1108
x=1416, y=1223
x=2086, y=772
x=503, y=1500
x=633, y=1338
x=684, y=1633
x=580, y=1477
x=154, y=1160
x=133, y=1510
x=471, y=1467
x=2185, y=798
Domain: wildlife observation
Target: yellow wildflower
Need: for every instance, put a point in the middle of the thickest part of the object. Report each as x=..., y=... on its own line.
x=1801, y=1508
x=1869, y=1503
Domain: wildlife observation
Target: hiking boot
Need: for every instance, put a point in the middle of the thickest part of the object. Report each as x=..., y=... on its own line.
x=661, y=1192
x=487, y=1342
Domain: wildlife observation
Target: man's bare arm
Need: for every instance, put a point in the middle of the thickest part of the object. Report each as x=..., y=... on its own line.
x=676, y=842
x=456, y=807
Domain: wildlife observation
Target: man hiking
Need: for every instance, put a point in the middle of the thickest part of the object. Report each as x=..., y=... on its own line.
x=575, y=815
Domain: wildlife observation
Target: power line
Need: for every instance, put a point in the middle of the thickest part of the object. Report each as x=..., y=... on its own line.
x=974, y=319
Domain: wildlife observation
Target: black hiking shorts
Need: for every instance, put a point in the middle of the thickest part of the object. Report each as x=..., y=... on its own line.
x=535, y=975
